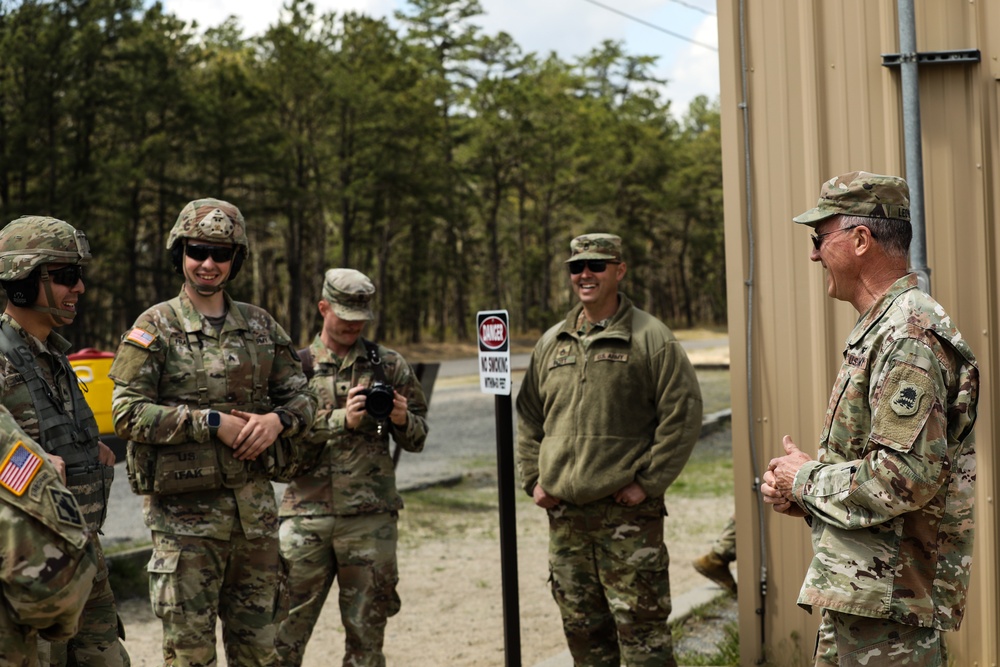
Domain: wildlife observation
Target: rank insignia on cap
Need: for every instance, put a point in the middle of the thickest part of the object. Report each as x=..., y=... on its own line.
x=906, y=402
x=19, y=468
x=140, y=337
x=66, y=508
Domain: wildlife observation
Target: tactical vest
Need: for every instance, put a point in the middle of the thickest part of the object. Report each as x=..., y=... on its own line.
x=199, y=466
x=73, y=437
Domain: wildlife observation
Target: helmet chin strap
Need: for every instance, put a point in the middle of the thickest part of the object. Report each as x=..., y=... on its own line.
x=60, y=316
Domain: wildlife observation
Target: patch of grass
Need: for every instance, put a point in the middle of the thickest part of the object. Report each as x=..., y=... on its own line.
x=127, y=574
x=709, y=471
x=708, y=636
x=715, y=394
x=726, y=653
x=441, y=512
x=466, y=496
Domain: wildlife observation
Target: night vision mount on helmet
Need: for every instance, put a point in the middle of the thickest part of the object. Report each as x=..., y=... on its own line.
x=213, y=221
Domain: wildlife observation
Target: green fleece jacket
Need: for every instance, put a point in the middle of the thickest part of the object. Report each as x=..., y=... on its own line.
x=599, y=412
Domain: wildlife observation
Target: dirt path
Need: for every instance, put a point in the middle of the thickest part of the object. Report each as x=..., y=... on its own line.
x=450, y=586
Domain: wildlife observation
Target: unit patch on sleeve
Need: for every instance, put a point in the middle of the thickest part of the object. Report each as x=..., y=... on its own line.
x=65, y=506
x=906, y=401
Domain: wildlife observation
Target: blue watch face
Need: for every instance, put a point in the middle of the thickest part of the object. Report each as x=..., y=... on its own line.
x=214, y=419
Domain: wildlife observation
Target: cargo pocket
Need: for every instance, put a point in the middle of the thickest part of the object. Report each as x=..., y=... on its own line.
x=164, y=584
x=652, y=586
x=387, y=602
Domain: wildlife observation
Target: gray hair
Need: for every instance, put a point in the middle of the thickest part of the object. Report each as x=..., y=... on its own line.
x=891, y=233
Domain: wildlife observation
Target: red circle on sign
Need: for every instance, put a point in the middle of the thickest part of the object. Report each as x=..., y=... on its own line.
x=493, y=332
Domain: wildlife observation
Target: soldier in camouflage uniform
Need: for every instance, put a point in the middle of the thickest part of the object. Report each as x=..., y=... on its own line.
x=204, y=385
x=890, y=496
x=715, y=564
x=339, y=521
x=47, y=559
x=609, y=411
x=41, y=270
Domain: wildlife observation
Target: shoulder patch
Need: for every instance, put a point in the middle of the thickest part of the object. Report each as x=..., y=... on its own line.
x=140, y=337
x=906, y=401
x=66, y=509
x=19, y=468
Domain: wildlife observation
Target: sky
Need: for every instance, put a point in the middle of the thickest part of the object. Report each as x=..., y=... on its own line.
x=569, y=27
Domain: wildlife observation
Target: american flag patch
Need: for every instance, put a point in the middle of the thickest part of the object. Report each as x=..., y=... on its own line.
x=140, y=337
x=19, y=468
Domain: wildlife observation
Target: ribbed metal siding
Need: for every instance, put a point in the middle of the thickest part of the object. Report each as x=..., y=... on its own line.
x=820, y=104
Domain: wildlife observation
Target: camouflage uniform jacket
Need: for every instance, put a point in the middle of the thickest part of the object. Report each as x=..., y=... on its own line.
x=355, y=474
x=47, y=559
x=598, y=412
x=891, y=494
x=156, y=401
x=15, y=396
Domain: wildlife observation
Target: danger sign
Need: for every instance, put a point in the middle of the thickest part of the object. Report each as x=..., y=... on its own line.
x=494, y=352
x=493, y=333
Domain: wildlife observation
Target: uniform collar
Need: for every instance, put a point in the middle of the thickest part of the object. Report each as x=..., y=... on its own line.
x=193, y=321
x=879, y=308
x=54, y=344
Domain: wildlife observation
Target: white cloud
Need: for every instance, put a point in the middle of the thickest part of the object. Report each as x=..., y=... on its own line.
x=696, y=70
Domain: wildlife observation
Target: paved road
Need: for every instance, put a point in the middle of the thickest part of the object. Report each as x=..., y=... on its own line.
x=462, y=436
x=462, y=426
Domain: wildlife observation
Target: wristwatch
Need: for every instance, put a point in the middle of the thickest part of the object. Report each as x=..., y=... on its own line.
x=286, y=420
x=214, y=421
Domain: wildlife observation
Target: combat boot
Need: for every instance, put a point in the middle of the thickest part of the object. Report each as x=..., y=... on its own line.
x=713, y=566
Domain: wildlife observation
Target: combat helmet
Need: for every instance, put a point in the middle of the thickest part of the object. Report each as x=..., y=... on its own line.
x=211, y=220
x=27, y=245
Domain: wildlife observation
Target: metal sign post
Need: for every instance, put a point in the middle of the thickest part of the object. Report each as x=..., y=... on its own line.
x=494, y=378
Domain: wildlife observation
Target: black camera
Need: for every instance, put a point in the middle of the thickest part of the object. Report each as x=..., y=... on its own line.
x=379, y=401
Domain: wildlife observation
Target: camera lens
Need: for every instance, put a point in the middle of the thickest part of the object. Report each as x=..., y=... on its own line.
x=379, y=401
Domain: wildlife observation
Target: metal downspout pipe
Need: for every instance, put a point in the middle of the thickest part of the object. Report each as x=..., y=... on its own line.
x=912, y=141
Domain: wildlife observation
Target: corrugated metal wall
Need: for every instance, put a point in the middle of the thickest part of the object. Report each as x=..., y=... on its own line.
x=819, y=103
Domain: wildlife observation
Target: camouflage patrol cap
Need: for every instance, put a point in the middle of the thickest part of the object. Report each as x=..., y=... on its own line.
x=350, y=293
x=33, y=240
x=212, y=220
x=862, y=194
x=596, y=246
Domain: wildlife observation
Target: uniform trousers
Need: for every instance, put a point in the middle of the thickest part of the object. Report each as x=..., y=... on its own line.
x=360, y=552
x=846, y=640
x=609, y=574
x=193, y=581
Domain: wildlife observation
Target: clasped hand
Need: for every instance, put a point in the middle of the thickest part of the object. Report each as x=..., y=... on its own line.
x=779, y=479
x=249, y=434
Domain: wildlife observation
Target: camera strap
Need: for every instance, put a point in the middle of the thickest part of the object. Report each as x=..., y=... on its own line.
x=376, y=361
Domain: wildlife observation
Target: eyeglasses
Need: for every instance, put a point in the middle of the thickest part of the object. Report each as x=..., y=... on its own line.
x=67, y=276
x=595, y=265
x=219, y=253
x=817, y=239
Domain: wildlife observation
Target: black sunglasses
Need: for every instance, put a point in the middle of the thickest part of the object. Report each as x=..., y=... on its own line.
x=67, y=276
x=595, y=265
x=817, y=239
x=218, y=253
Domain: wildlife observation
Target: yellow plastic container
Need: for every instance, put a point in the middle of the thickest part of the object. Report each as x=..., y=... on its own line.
x=91, y=367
